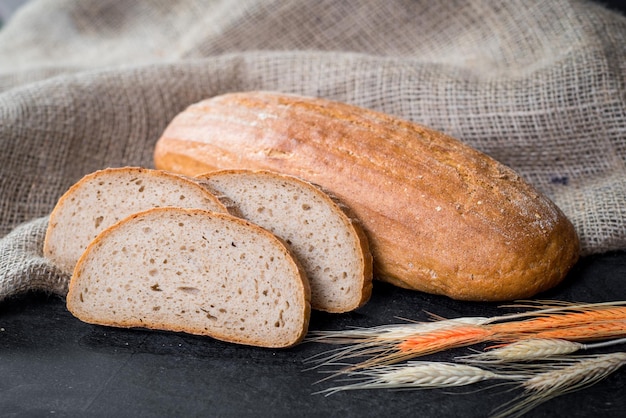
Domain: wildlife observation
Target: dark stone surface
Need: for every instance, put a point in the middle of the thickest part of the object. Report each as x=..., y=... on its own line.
x=51, y=364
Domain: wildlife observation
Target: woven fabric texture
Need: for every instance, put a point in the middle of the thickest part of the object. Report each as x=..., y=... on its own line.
x=87, y=84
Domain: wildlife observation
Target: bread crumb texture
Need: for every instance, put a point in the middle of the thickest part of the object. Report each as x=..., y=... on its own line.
x=107, y=196
x=330, y=246
x=193, y=271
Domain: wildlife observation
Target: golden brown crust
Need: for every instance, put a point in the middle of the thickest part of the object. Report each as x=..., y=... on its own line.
x=441, y=217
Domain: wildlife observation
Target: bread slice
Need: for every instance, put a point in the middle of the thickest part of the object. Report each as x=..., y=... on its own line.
x=328, y=242
x=104, y=197
x=193, y=271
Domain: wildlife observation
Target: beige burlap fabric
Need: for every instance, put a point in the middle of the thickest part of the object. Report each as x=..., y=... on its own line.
x=86, y=84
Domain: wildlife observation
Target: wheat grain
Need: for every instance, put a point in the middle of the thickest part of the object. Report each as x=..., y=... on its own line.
x=560, y=378
x=394, y=343
x=444, y=339
x=585, y=332
x=379, y=342
x=420, y=375
x=581, y=371
x=525, y=350
x=534, y=349
x=551, y=321
x=389, y=332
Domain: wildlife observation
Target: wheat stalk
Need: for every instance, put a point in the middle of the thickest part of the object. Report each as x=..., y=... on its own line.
x=393, y=332
x=552, y=330
x=561, y=378
x=379, y=342
x=391, y=344
x=419, y=375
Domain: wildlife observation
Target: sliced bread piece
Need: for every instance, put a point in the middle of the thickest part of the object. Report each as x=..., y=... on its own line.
x=104, y=197
x=193, y=271
x=328, y=242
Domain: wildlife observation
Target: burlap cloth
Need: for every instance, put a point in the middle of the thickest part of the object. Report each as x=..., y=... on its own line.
x=85, y=84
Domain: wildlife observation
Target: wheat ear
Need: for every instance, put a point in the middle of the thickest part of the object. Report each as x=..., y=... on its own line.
x=378, y=342
x=525, y=350
x=567, y=376
x=392, y=344
x=419, y=375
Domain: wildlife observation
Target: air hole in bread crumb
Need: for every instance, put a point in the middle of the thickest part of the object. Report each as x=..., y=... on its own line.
x=153, y=272
x=181, y=224
x=156, y=308
x=306, y=206
x=80, y=296
x=260, y=209
x=181, y=197
x=188, y=289
x=155, y=287
x=142, y=188
x=146, y=229
x=108, y=290
x=99, y=220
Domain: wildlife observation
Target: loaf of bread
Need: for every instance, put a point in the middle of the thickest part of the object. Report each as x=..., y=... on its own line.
x=329, y=243
x=441, y=217
x=193, y=271
x=104, y=197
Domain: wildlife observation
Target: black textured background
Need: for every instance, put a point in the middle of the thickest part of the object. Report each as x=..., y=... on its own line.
x=51, y=364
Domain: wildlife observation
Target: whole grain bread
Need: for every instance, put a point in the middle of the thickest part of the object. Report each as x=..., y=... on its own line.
x=329, y=243
x=193, y=271
x=104, y=197
x=441, y=217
